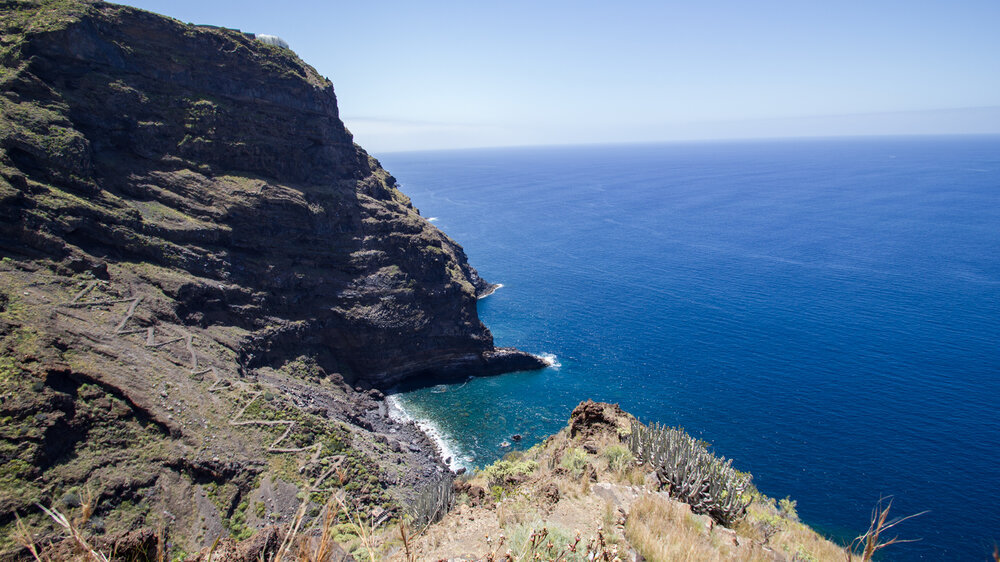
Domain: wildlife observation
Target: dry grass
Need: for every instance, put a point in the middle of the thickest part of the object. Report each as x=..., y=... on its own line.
x=657, y=527
x=84, y=550
x=25, y=538
x=770, y=527
x=74, y=533
x=663, y=531
x=872, y=541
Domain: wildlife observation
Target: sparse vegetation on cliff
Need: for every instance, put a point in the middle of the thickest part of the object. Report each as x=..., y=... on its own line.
x=531, y=505
x=584, y=488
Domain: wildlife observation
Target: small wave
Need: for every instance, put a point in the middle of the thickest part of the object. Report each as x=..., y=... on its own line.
x=432, y=219
x=447, y=447
x=439, y=389
x=492, y=290
x=551, y=360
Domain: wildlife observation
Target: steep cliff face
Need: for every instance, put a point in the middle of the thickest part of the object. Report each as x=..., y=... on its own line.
x=129, y=137
x=193, y=248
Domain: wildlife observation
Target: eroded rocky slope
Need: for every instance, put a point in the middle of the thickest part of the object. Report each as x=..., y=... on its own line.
x=201, y=274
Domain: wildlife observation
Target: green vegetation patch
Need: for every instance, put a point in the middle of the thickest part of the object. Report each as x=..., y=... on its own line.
x=21, y=18
x=303, y=367
x=575, y=461
x=345, y=467
x=503, y=472
x=619, y=457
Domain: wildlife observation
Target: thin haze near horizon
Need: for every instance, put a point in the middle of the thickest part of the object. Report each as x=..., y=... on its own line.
x=435, y=74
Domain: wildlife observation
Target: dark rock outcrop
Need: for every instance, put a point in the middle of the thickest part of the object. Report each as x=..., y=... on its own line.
x=591, y=418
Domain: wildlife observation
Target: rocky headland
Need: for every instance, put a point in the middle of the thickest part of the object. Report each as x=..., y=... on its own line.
x=205, y=285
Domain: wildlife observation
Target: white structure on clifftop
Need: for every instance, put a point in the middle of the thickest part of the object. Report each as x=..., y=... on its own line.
x=272, y=40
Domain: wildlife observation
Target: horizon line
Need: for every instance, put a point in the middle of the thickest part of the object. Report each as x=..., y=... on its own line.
x=595, y=144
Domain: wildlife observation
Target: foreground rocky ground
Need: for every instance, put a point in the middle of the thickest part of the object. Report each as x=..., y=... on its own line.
x=580, y=495
x=583, y=487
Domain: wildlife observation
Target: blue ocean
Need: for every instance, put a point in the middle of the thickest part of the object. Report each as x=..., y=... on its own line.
x=825, y=312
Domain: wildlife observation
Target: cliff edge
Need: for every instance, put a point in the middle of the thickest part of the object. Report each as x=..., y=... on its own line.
x=203, y=278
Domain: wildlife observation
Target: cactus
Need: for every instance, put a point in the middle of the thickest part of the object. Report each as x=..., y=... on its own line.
x=709, y=484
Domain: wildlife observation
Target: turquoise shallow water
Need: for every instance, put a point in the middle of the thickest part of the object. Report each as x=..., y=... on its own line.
x=825, y=312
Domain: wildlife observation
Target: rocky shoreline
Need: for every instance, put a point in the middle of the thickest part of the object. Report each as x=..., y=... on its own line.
x=493, y=287
x=442, y=450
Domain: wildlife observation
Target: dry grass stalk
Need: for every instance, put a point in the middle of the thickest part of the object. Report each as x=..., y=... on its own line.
x=161, y=542
x=74, y=532
x=494, y=552
x=365, y=531
x=88, y=503
x=545, y=545
x=407, y=543
x=871, y=542
x=211, y=551
x=23, y=536
x=324, y=548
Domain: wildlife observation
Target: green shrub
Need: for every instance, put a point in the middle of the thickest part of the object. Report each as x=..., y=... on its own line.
x=574, y=460
x=501, y=472
x=619, y=457
x=787, y=508
x=531, y=541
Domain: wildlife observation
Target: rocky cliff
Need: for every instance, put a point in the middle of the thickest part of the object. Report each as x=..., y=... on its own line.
x=200, y=270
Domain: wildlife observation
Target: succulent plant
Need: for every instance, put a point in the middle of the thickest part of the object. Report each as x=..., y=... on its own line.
x=692, y=474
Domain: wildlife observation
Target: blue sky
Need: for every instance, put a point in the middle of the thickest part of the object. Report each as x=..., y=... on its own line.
x=436, y=74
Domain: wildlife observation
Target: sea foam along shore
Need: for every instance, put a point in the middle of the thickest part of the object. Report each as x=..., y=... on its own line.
x=447, y=448
x=490, y=291
x=550, y=359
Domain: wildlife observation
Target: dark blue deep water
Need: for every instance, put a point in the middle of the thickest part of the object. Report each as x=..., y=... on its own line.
x=826, y=312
